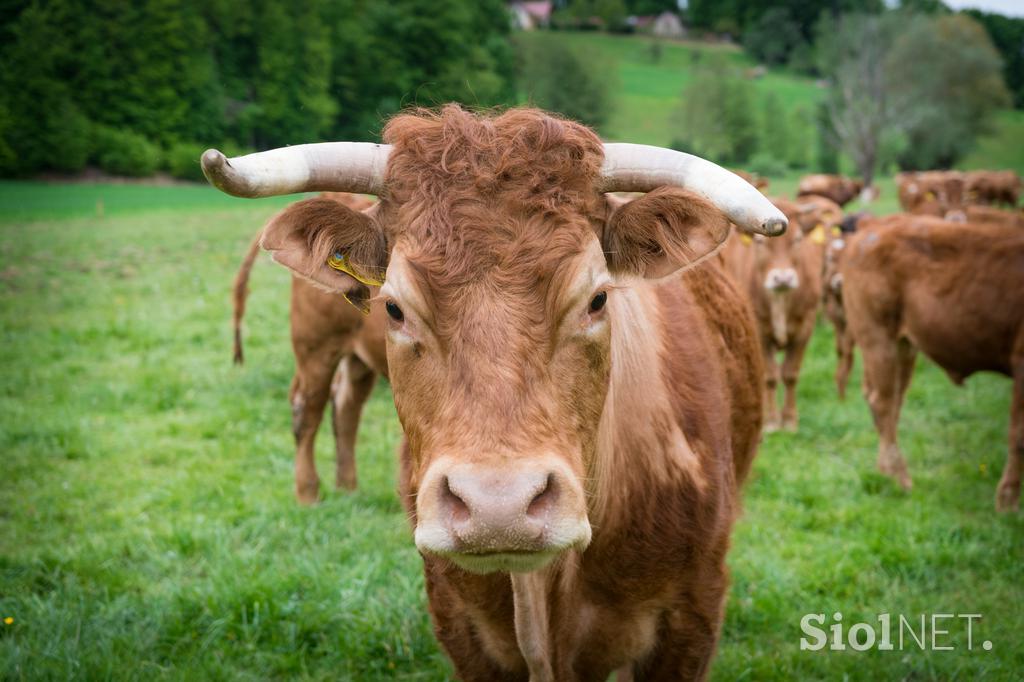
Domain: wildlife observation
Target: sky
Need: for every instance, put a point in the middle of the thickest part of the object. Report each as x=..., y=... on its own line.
x=1011, y=8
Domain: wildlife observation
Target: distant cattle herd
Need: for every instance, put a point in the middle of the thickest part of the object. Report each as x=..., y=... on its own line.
x=583, y=377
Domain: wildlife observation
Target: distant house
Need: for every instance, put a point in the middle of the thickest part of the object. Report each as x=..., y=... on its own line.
x=668, y=25
x=527, y=16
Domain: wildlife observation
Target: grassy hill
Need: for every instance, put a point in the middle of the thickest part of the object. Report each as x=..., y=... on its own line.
x=647, y=92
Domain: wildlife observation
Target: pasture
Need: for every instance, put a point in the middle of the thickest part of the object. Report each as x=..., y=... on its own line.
x=147, y=522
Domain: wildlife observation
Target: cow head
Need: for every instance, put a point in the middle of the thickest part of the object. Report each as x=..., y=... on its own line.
x=504, y=267
x=778, y=261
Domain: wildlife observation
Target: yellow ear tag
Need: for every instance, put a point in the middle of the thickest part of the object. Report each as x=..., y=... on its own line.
x=746, y=239
x=818, y=234
x=930, y=196
x=339, y=261
x=837, y=231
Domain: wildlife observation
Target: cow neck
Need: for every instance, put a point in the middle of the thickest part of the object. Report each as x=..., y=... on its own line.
x=778, y=304
x=639, y=443
x=532, y=622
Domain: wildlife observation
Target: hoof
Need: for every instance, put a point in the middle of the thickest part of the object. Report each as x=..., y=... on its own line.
x=789, y=425
x=1007, y=498
x=346, y=484
x=897, y=472
x=307, y=495
x=771, y=426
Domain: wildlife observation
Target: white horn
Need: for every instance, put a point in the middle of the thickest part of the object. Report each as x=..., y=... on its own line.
x=323, y=167
x=642, y=168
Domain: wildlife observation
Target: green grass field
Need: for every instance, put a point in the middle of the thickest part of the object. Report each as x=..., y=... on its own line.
x=148, y=529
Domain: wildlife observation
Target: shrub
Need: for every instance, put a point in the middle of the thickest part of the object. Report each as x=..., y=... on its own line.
x=766, y=165
x=560, y=80
x=773, y=37
x=182, y=161
x=716, y=115
x=121, y=152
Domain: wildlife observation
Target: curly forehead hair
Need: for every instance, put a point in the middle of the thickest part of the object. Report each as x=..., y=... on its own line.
x=547, y=161
x=474, y=190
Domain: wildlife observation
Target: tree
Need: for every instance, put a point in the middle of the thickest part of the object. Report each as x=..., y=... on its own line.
x=1007, y=34
x=773, y=37
x=558, y=79
x=956, y=86
x=76, y=74
x=716, y=116
x=931, y=80
x=853, y=50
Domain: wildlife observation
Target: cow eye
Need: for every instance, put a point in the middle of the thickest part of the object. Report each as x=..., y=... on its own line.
x=394, y=312
x=598, y=301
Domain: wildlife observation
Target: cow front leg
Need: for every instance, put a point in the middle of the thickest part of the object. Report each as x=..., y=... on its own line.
x=687, y=640
x=1008, y=491
x=353, y=385
x=771, y=381
x=844, y=350
x=887, y=368
x=311, y=388
x=790, y=375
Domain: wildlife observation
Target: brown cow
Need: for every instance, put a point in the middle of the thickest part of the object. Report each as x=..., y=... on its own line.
x=329, y=338
x=953, y=291
x=575, y=412
x=838, y=188
x=993, y=187
x=782, y=278
x=935, y=193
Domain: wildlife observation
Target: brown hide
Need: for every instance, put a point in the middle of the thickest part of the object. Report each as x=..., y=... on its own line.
x=953, y=291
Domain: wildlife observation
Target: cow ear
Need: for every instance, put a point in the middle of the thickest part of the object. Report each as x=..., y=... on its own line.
x=661, y=233
x=330, y=245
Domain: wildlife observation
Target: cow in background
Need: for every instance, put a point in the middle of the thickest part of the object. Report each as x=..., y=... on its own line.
x=330, y=339
x=952, y=291
x=993, y=187
x=838, y=188
x=782, y=279
x=935, y=193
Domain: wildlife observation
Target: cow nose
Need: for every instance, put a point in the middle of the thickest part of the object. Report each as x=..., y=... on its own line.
x=781, y=279
x=498, y=511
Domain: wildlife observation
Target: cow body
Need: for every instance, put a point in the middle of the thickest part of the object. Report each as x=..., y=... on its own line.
x=782, y=279
x=339, y=353
x=676, y=439
x=993, y=187
x=838, y=188
x=953, y=291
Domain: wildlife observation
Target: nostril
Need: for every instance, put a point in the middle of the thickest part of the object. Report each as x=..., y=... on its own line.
x=544, y=499
x=456, y=508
